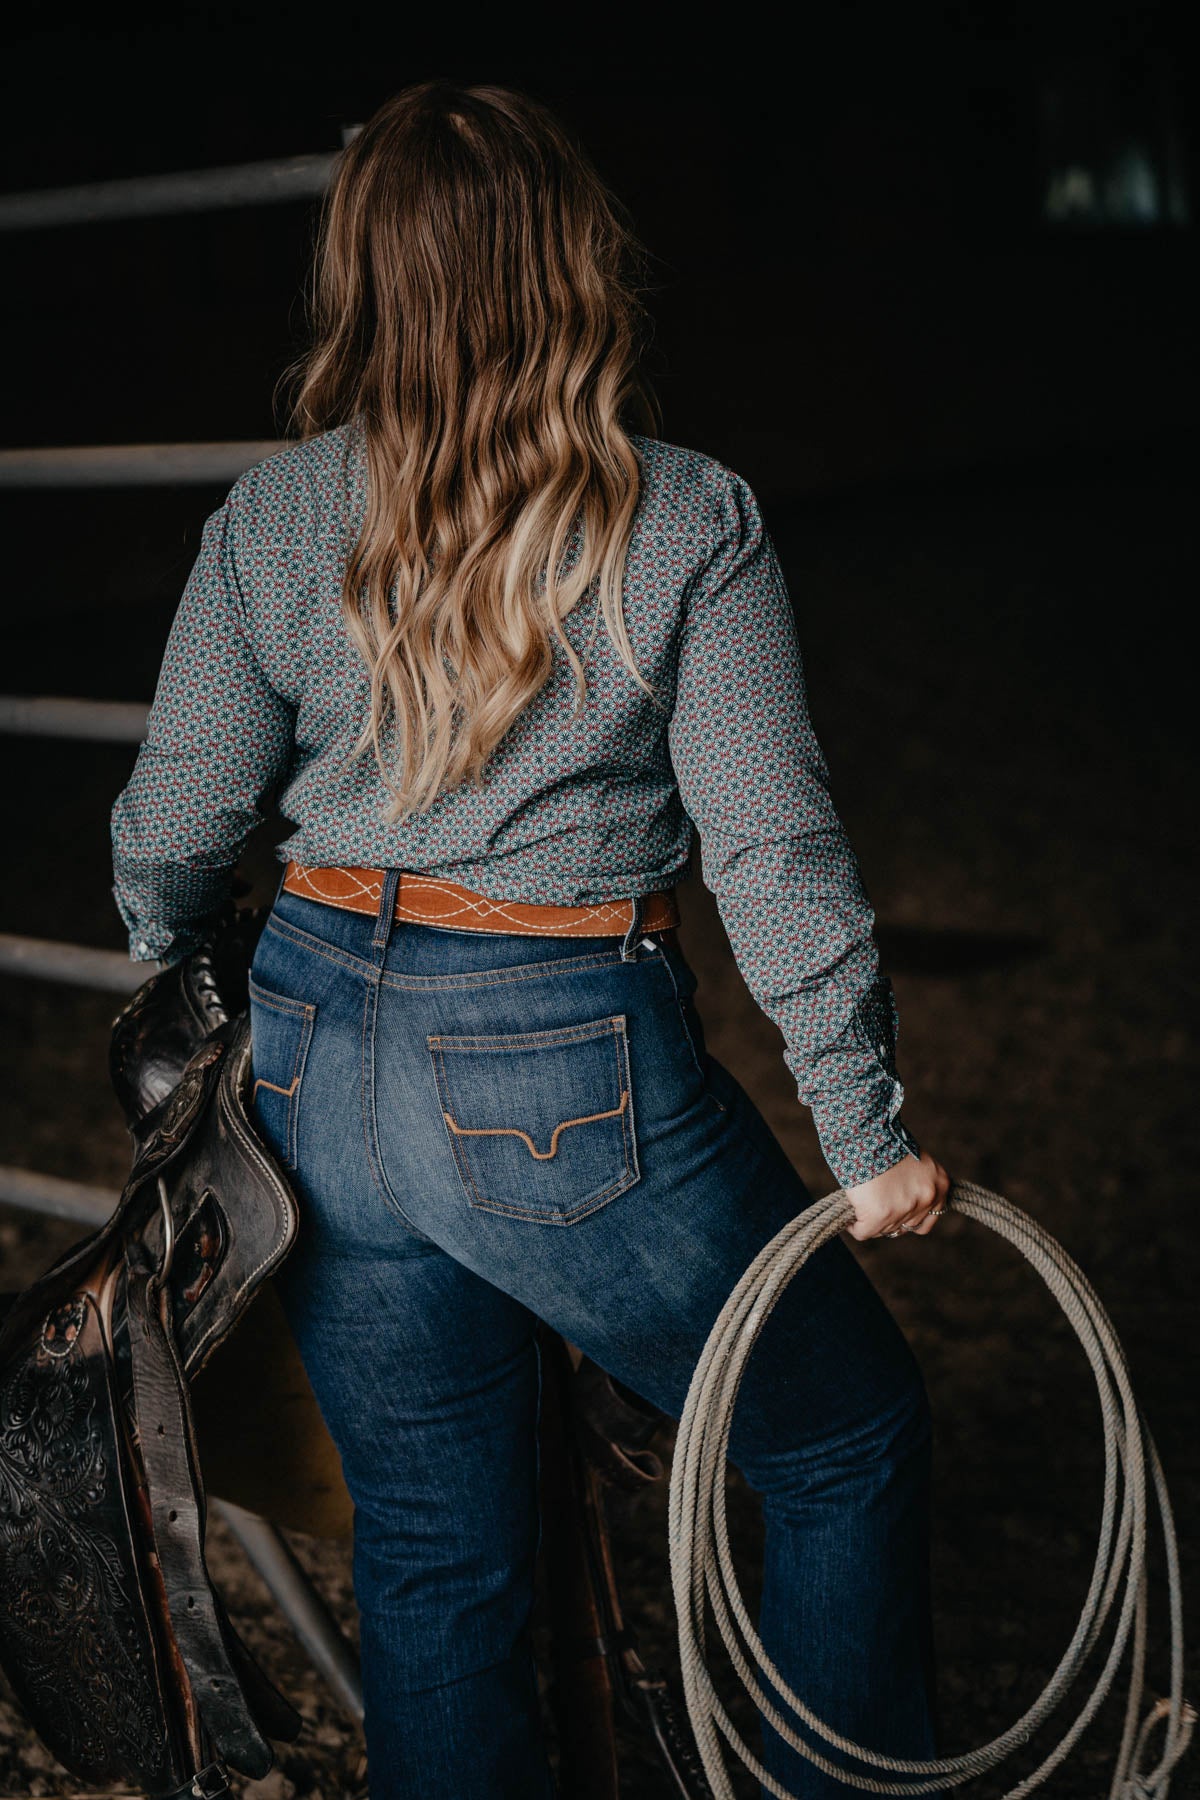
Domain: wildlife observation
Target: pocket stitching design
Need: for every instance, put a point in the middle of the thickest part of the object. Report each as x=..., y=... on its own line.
x=274, y=1087
x=515, y=1130
x=567, y=1034
x=304, y=1012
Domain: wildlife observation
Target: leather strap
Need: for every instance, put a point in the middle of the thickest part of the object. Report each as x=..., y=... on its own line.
x=432, y=900
x=206, y=1784
x=168, y=1449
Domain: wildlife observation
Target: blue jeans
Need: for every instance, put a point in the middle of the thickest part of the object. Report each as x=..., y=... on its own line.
x=488, y=1129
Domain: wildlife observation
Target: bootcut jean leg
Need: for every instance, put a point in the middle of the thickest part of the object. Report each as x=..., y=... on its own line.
x=845, y=1584
x=429, y=1379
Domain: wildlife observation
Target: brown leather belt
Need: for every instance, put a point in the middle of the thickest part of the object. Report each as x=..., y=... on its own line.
x=432, y=900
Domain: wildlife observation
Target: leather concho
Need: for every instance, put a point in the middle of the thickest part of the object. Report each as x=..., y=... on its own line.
x=111, y=1631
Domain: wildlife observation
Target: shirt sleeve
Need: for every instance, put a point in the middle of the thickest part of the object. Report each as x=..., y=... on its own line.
x=754, y=780
x=218, y=738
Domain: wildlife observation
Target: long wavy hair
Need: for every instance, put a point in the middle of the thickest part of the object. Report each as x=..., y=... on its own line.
x=475, y=307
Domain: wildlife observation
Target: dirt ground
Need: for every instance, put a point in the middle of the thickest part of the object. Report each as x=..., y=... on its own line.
x=997, y=677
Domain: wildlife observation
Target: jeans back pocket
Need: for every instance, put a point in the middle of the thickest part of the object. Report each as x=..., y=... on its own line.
x=540, y=1122
x=280, y=1033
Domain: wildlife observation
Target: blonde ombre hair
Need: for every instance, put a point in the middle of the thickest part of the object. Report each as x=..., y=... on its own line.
x=474, y=309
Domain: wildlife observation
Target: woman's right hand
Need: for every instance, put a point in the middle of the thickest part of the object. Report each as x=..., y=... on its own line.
x=906, y=1194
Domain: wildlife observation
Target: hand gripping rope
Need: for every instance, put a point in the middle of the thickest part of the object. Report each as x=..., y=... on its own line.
x=701, y=1562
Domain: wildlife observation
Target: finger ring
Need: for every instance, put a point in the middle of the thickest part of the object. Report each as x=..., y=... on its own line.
x=936, y=1213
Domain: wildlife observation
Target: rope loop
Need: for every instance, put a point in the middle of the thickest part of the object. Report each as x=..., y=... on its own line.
x=702, y=1565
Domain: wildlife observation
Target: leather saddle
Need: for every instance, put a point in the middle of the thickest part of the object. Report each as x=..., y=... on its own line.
x=112, y=1634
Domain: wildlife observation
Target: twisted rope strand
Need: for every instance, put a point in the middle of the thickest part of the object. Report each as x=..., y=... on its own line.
x=702, y=1562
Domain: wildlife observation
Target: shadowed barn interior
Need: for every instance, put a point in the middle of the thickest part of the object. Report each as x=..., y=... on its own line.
x=931, y=290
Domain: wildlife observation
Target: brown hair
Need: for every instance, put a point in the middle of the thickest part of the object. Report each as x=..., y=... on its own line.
x=475, y=310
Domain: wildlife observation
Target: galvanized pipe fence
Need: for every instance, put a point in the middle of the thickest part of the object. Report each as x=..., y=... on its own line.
x=296, y=178
x=131, y=465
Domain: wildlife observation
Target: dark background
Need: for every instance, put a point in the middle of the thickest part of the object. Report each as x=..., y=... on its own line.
x=855, y=275
x=926, y=277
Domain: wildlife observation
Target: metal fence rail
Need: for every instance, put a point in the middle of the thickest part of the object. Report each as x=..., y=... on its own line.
x=133, y=465
x=54, y=1197
x=180, y=191
x=100, y=721
x=78, y=964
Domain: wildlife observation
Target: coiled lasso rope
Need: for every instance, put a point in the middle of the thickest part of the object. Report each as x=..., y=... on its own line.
x=701, y=1563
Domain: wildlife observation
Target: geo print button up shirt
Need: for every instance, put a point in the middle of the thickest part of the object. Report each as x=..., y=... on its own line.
x=261, y=694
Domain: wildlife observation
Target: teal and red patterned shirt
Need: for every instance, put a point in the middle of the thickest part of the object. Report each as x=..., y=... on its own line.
x=262, y=694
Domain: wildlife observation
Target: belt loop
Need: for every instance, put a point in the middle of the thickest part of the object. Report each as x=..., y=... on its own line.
x=629, y=941
x=386, y=916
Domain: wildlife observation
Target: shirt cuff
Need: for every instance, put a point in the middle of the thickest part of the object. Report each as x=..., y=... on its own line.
x=167, y=911
x=856, y=1106
x=858, y=1150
